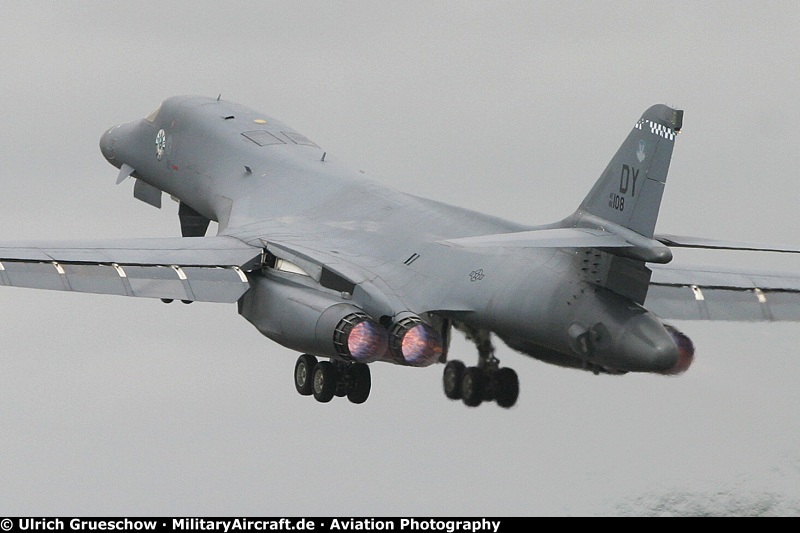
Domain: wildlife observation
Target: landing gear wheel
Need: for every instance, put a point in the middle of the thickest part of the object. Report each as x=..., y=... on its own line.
x=303, y=371
x=506, y=387
x=472, y=386
x=359, y=383
x=324, y=381
x=451, y=379
x=341, y=386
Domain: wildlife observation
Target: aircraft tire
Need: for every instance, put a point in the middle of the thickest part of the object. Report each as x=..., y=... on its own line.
x=360, y=383
x=303, y=372
x=341, y=387
x=451, y=379
x=324, y=381
x=507, y=387
x=473, y=384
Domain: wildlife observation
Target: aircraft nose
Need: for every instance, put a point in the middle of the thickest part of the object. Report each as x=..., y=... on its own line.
x=107, y=142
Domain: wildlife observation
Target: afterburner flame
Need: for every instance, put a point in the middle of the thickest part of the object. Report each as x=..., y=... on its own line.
x=367, y=341
x=421, y=345
x=685, y=351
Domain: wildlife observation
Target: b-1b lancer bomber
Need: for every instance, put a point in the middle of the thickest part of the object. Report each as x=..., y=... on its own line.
x=349, y=272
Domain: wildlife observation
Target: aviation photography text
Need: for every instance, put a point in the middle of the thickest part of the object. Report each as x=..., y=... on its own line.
x=228, y=525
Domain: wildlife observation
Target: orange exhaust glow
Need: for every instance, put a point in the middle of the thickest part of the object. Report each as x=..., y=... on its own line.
x=421, y=346
x=685, y=352
x=367, y=341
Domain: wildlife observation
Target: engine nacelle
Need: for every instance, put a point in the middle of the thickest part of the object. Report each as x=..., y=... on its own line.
x=611, y=333
x=313, y=322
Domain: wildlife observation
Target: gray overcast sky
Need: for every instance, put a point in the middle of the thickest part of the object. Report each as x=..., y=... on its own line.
x=112, y=406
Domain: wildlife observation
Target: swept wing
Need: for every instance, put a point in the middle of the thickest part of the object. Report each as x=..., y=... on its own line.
x=714, y=293
x=332, y=265
x=208, y=269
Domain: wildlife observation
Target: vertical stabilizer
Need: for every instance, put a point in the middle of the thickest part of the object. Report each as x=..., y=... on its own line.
x=629, y=191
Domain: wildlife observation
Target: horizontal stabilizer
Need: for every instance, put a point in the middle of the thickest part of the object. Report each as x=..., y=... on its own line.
x=616, y=239
x=677, y=241
x=545, y=238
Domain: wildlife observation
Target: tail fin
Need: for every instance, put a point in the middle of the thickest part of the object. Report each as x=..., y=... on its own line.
x=629, y=191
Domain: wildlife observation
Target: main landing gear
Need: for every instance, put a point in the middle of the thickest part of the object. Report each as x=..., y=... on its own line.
x=484, y=382
x=326, y=379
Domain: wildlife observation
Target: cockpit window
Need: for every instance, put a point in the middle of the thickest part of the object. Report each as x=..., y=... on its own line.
x=299, y=139
x=152, y=116
x=262, y=138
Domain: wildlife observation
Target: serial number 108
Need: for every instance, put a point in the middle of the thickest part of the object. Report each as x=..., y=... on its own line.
x=615, y=201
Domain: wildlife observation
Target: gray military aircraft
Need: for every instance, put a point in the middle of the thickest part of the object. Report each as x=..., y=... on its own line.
x=349, y=272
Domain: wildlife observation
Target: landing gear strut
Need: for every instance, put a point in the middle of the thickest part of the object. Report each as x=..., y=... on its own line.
x=484, y=382
x=326, y=379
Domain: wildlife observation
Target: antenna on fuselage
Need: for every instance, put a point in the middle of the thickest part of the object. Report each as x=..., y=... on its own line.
x=218, y=97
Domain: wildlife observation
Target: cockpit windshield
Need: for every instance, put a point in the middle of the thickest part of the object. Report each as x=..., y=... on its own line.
x=152, y=116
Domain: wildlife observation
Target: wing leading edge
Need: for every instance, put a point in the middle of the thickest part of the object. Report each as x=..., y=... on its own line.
x=207, y=269
x=578, y=237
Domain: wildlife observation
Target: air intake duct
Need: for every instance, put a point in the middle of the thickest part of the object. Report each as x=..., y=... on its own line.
x=313, y=322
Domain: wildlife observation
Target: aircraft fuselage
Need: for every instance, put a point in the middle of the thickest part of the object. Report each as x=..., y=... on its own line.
x=267, y=184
